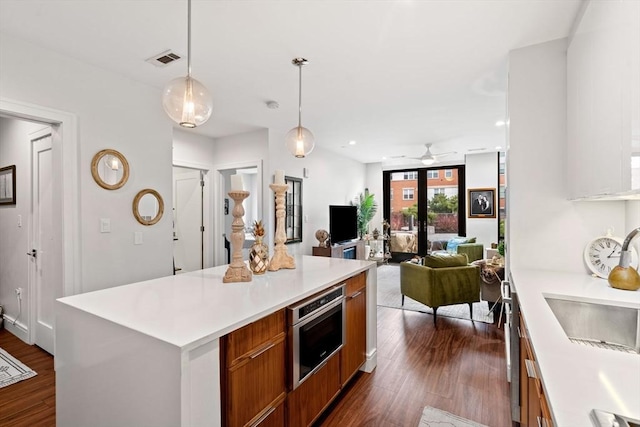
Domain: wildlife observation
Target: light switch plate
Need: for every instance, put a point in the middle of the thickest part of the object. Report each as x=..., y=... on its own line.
x=105, y=225
x=137, y=238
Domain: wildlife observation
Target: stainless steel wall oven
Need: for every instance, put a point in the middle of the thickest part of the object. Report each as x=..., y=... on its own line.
x=316, y=332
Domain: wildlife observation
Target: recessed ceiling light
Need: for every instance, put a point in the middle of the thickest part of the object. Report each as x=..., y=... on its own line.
x=352, y=142
x=500, y=123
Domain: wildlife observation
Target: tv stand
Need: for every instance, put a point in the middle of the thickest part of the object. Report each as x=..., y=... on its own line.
x=347, y=250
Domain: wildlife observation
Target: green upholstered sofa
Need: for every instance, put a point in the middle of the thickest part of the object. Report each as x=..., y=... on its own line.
x=473, y=250
x=444, y=279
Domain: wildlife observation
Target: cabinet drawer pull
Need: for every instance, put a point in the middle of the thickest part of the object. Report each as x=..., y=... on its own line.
x=355, y=295
x=266, y=415
x=531, y=370
x=262, y=350
x=542, y=422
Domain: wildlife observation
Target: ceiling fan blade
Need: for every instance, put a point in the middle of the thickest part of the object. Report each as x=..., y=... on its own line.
x=444, y=154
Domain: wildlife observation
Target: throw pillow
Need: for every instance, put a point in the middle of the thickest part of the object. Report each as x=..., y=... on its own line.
x=445, y=260
x=452, y=244
x=471, y=240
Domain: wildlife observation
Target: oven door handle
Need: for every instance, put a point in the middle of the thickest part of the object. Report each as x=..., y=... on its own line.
x=315, y=314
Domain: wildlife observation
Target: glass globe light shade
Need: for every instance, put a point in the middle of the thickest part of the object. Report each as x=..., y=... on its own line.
x=187, y=102
x=299, y=141
x=428, y=161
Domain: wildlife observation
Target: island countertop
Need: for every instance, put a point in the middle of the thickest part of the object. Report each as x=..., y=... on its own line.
x=577, y=378
x=187, y=309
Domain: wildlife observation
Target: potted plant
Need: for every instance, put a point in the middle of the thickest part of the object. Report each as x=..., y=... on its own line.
x=367, y=208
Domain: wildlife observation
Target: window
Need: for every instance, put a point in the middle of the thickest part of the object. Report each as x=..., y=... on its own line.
x=408, y=193
x=433, y=174
x=438, y=190
x=448, y=173
x=413, y=175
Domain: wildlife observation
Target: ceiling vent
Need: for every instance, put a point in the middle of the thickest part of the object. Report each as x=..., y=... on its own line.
x=163, y=59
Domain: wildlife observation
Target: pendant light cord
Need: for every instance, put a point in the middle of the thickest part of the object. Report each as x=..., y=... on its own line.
x=300, y=95
x=188, y=38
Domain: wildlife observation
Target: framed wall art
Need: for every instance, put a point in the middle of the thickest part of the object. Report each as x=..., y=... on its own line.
x=482, y=203
x=8, y=185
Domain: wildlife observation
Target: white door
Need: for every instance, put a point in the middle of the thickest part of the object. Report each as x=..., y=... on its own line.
x=45, y=266
x=188, y=227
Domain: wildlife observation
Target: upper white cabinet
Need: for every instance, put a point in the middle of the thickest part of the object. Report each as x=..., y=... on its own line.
x=603, y=101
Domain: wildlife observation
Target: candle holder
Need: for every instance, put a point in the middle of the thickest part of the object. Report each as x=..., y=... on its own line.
x=237, y=271
x=281, y=259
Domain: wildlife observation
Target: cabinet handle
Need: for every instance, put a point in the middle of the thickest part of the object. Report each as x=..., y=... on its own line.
x=355, y=295
x=542, y=422
x=531, y=370
x=262, y=350
x=266, y=415
x=519, y=333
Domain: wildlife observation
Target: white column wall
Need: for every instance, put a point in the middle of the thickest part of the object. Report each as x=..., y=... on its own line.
x=481, y=171
x=546, y=231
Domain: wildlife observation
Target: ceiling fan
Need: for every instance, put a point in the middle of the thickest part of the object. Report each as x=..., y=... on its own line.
x=429, y=158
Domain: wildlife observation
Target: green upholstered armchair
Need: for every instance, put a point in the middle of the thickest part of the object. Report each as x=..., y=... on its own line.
x=474, y=251
x=443, y=280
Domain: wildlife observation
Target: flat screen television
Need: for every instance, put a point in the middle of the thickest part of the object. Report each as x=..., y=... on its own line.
x=343, y=223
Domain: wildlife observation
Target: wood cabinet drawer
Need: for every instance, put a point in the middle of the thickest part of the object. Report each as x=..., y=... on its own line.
x=355, y=284
x=240, y=344
x=255, y=383
x=307, y=402
x=272, y=416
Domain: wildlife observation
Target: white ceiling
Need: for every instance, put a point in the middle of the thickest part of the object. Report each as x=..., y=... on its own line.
x=391, y=75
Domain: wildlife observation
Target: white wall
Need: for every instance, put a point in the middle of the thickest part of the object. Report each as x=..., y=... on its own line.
x=545, y=230
x=333, y=180
x=374, y=184
x=113, y=112
x=14, y=239
x=481, y=171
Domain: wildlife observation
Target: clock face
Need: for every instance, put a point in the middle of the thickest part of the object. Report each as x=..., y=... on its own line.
x=603, y=253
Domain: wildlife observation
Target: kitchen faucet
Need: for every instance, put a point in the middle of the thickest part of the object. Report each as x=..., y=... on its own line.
x=623, y=276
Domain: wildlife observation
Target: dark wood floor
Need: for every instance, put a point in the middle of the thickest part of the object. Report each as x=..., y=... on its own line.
x=30, y=402
x=457, y=366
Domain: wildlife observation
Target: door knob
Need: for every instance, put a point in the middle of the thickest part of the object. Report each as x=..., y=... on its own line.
x=33, y=253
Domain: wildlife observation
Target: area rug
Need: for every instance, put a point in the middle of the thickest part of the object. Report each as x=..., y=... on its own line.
x=11, y=370
x=432, y=417
x=389, y=296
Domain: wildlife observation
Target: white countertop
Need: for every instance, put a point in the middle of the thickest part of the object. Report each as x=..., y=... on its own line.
x=191, y=308
x=577, y=378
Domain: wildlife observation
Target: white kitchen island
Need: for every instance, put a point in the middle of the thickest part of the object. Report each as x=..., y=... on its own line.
x=147, y=354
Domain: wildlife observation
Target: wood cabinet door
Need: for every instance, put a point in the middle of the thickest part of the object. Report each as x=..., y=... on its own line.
x=353, y=353
x=307, y=402
x=255, y=384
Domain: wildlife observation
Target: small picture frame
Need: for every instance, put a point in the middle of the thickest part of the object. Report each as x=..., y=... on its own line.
x=482, y=203
x=8, y=185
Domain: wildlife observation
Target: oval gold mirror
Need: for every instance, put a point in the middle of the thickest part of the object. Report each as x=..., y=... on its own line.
x=110, y=169
x=148, y=206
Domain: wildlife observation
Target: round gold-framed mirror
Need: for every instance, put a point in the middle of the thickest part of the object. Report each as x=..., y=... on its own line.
x=110, y=169
x=148, y=206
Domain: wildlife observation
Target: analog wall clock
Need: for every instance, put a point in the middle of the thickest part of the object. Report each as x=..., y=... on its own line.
x=603, y=253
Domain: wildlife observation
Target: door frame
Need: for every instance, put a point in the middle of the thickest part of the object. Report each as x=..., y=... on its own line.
x=207, y=207
x=422, y=201
x=218, y=211
x=64, y=140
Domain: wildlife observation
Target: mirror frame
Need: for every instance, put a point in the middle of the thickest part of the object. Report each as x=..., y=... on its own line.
x=136, y=202
x=96, y=176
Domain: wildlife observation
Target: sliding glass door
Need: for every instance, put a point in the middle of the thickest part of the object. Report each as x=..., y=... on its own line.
x=422, y=205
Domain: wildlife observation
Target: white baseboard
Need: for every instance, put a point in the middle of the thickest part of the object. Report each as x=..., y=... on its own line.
x=371, y=362
x=19, y=329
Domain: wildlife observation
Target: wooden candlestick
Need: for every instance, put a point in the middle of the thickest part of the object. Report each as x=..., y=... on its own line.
x=237, y=271
x=281, y=259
